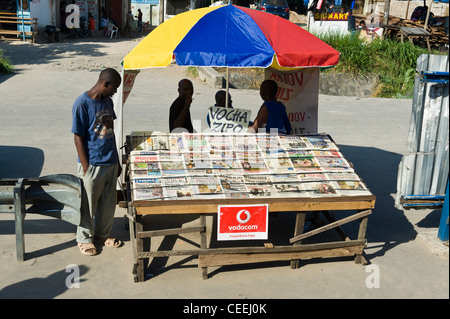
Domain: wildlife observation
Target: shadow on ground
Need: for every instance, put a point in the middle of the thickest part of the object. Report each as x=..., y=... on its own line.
x=387, y=228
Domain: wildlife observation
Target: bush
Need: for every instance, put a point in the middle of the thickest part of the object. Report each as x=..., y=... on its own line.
x=393, y=61
x=5, y=65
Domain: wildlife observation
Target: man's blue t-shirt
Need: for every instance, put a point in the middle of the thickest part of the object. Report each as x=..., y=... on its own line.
x=93, y=120
x=277, y=117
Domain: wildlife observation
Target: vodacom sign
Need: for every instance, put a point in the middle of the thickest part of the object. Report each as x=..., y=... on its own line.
x=237, y=222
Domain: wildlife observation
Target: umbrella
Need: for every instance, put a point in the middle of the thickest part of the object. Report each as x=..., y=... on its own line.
x=230, y=36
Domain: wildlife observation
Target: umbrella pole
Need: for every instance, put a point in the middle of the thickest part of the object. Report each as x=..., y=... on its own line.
x=227, y=85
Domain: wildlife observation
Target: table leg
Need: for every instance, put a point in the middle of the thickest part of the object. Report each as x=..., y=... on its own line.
x=203, y=242
x=139, y=262
x=359, y=259
x=299, y=225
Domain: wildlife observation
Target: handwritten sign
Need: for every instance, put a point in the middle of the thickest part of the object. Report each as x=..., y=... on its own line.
x=228, y=119
x=298, y=90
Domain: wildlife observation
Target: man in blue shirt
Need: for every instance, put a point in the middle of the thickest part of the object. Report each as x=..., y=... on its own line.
x=272, y=114
x=98, y=163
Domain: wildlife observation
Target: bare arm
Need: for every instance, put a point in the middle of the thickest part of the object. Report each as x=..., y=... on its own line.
x=181, y=118
x=261, y=118
x=81, y=150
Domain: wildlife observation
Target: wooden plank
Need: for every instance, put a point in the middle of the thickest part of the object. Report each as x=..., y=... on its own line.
x=16, y=32
x=331, y=225
x=234, y=259
x=275, y=204
x=168, y=232
x=299, y=227
x=247, y=250
x=18, y=22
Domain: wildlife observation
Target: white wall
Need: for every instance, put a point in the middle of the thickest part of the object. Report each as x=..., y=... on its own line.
x=42, y=10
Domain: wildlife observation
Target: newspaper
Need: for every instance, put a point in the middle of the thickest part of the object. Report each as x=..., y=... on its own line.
x=182, y=166
x=342, y=176
x=319, y=189
x=333, y=163
x=312, y=177
x=262, y=190
x=290, y=190
x=177, y=192
x=234, y=186
x=292, y=142
x=157, y=142
x=321, y=142
x=206, y=187
x=176, y=143
x=350, y=188
x=147, y=188
x=196, y=143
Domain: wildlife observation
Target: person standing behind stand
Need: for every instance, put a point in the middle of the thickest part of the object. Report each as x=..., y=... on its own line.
x=272, y=114
x=180, y=115
x=139, y=16
x=220, y=101
x=98, y=162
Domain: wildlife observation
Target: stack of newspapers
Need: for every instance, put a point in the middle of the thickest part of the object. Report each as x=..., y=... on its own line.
x=177, y=166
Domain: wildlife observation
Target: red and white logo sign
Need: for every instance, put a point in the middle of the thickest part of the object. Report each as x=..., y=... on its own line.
x=236, y=222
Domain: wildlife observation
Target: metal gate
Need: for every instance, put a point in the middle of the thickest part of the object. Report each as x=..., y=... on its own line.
x=423, y=171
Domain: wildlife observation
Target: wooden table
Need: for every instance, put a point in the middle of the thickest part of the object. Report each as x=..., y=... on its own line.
x=330, y=206
x=208, y=257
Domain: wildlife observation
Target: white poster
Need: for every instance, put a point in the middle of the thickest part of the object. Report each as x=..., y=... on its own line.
x=299, y=91
x=229, y=119
x=128, y=77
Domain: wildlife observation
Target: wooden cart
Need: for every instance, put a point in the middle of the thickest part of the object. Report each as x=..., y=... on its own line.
x=211, y=257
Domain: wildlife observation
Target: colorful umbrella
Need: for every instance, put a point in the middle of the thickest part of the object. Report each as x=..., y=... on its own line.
x=230, y=36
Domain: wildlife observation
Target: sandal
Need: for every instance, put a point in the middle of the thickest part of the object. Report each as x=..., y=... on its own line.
x=108, y=242
x=87, y=249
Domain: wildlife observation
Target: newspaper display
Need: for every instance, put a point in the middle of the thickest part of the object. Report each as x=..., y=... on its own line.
x=222, y=165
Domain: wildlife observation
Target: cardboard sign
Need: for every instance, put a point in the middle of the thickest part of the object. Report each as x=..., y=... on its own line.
x=298, y=90
x=237, y=222
x=229, y=119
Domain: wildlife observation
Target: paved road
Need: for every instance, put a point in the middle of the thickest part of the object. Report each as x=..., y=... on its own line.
x=35, y=140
